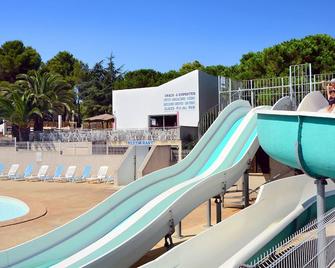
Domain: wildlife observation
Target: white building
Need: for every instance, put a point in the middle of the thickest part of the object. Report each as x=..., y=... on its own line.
x=179, y=102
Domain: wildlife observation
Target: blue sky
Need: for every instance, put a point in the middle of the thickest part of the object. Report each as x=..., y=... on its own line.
x=161, y=34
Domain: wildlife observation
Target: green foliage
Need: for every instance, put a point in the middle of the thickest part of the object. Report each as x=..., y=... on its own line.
x=144, y=78
x=16, y=108
x=139, y=78
x=15, y=58
x=191, y=66
x=66, y=65
x=47, y=92
x=275, y=61
x=95, y=91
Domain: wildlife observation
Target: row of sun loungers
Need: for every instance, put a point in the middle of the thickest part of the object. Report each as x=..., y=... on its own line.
x=58, y=176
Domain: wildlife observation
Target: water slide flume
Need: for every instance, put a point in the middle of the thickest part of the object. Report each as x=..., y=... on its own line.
x=176, y=202
x=282, y=206
x=303, y=140
x=122, y=228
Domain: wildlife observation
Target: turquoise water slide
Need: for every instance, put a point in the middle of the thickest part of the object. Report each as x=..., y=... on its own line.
x=122, y=228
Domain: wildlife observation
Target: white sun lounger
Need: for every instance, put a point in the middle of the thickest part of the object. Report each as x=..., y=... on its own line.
x=101, y=176
x=41, y=175
x=11, y=172
x=69, y=175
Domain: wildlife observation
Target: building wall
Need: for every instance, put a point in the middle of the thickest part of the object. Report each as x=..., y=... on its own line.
x=208, y=92
x=9, y=156
x=158, y=157
x=132, y=107
x=126, y=172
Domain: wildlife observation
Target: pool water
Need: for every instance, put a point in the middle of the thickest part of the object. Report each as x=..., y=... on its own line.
x=11, y=208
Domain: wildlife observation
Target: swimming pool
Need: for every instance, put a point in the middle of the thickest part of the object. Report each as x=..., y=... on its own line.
x=11, y=208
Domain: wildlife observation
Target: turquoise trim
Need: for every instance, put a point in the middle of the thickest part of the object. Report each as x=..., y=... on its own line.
x=246, y=146
x=221, y=146
x=280, y=135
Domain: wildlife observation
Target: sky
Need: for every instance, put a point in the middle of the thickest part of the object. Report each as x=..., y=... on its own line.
x=161, y=35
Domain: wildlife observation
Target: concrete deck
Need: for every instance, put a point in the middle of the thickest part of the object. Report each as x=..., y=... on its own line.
x=62, y=201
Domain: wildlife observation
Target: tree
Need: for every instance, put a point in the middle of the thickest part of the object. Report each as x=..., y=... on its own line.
x=47, y=92
x=139, y=78
x=319, y=50
x=168, y=76
x=191, y=66
x=66, y=65
x=96, y=90
x=16, y=108
x=15, y=58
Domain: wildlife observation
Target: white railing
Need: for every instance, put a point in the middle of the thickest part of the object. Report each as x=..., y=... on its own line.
x=69, y=148
x=268, y=91
x=122, y=135
x=301, y=248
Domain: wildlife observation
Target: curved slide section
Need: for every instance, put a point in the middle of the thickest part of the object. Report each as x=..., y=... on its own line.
x=282, y=206
x=149, y=224
x=235, y=240
x=303, y=138
x=119, y=230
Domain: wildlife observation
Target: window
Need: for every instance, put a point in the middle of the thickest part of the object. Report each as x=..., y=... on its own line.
x=163, y=121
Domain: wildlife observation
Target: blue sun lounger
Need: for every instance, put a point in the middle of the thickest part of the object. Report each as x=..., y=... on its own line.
x=57, y=174
x=86, y=174
x=28, y=171
x=2, y=169
x=11, y=172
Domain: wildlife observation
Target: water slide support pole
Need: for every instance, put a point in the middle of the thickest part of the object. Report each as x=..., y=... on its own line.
x=246, y=189
x=218, y=201
x=178, y=230
x=320, y=198
x=320, y=204
x=209, y=213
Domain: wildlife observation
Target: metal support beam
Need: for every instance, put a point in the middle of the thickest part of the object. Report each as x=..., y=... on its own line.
x=320, y=204
x=246, y=189
x=178, y=231
x=218, y=202
x=180, y=151
x=135, y=160
x=209, y=213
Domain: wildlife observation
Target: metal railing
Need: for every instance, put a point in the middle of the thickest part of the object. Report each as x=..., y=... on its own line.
x=301, y=248
x=122, y=135
x=69, y=148
x=266, y=91
x=7, y=142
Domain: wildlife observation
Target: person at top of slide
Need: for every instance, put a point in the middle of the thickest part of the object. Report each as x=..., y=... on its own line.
x=330, y=94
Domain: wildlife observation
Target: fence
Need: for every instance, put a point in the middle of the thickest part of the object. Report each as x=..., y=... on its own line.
x=301, y=248
x=266, y=91
x=118, y=136
x=66, y=148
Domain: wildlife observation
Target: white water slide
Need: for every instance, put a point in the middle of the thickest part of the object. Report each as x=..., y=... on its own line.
x=122, y=228
x=281, y=208
x=236, y=239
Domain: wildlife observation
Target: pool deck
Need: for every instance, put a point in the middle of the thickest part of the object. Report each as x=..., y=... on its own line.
x=61, y=201
x=54, y=204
